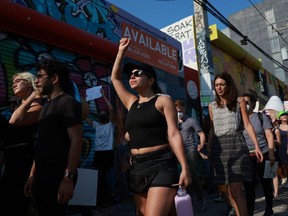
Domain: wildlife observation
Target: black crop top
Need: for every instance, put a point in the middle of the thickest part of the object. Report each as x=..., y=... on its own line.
x=146, y=126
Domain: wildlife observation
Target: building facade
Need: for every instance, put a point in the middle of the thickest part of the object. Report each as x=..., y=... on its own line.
x=265, y=24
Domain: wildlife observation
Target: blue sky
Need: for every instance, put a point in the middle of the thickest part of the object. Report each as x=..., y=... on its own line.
x=161, y=13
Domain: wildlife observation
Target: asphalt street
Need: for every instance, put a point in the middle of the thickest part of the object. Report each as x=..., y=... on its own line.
x=126, y=208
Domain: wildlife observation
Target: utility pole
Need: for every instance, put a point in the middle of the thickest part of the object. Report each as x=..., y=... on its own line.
x=204, y=56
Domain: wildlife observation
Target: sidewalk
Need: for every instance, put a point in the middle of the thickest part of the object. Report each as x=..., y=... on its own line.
x=280, y=208
x=212, y=208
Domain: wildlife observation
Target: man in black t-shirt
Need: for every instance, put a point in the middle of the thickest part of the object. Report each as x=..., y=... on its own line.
x=59, y=142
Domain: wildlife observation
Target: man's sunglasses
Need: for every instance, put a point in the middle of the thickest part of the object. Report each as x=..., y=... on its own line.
x=136, y=73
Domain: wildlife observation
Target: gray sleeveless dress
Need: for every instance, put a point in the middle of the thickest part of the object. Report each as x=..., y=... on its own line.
x=229, y=154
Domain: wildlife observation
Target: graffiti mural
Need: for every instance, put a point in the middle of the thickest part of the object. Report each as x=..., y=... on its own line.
x=21, y=54
x=97, y=17
x=92, y=16
x=243, y=75
x=226, y=63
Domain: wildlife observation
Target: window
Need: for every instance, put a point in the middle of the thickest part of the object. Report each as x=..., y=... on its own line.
x=275, y=46
x=269, y=14
x=271, y=31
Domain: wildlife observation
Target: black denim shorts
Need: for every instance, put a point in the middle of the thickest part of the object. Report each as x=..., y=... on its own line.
x=157, y=169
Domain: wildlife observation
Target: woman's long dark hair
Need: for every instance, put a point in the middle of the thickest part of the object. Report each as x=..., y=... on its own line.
x=231, y=93
x=155, y=88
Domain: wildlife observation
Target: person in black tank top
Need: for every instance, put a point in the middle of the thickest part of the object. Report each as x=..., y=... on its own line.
x=19, y=145
x=151, y=123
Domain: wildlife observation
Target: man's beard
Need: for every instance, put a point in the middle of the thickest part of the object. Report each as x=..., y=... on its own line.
x=47, y=88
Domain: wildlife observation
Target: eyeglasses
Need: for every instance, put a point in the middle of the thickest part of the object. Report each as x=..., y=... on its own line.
x=18, y=80
x=40, y=76
x=136, y=73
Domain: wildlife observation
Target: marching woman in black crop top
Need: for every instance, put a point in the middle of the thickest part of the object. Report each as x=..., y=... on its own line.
x=152, y=126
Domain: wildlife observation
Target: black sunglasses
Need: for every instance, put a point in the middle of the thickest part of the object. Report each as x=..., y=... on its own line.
x=136, y=73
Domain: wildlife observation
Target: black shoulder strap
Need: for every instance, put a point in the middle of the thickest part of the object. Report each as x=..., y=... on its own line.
x=260, y=118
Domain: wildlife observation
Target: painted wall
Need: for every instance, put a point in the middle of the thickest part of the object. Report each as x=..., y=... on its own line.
x=246, y=70
x=105, y=20
x=244, y=76
x=19, y=52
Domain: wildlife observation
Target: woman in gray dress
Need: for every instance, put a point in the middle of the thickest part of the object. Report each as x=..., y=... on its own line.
x=228, y=151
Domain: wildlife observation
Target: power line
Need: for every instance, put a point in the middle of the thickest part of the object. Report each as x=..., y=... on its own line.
x=268, y=21
x=212, y=10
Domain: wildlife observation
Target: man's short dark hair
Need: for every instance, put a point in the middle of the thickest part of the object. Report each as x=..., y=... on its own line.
x=252, y=98
x=52, y=67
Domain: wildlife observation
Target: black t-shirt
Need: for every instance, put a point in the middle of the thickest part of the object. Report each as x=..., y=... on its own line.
x=53, y=143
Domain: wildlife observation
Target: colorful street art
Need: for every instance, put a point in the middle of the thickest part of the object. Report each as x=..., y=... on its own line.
x=22, y=54
x=93, y=16
x=98, y=18
x=245, y=77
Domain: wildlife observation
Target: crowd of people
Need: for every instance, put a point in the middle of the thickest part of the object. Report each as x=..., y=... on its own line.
x=39, y=165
